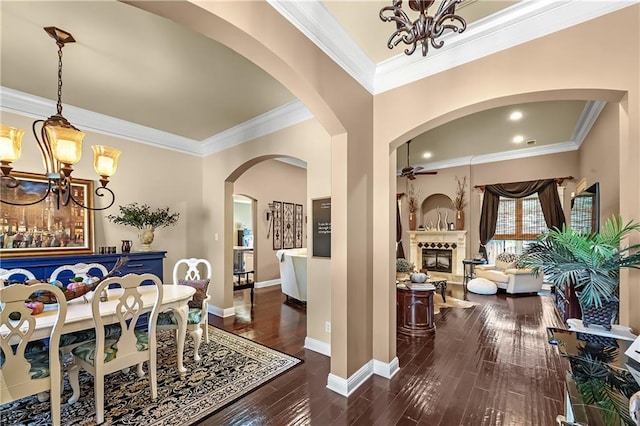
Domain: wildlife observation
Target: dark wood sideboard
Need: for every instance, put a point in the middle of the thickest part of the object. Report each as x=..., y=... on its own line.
x=43, y=266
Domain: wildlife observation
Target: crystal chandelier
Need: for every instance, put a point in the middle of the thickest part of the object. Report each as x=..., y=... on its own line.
x=426, y=29
x=60, y=144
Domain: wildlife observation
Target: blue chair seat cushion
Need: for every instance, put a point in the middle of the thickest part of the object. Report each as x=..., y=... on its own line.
x=168, y=318
x=110, y=331
x=37, y=354
x=87, y=350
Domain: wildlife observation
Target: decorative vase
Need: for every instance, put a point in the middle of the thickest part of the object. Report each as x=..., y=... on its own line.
x=460, y=220
x=418, y=277
x=412, y=221
x=146, y=238
x=439, y=226
x=126, y=246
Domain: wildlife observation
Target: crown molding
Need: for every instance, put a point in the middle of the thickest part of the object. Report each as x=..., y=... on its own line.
x=587, y=119
x=34, y=106
x=590, y=114
x=313, y=20
x=277, y=119
x=500, y=156
x=293, y=161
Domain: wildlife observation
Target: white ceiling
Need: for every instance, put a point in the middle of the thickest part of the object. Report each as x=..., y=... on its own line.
x=140, y=76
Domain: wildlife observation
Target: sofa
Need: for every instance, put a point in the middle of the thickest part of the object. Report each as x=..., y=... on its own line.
x=293, y=273
x=507, y=276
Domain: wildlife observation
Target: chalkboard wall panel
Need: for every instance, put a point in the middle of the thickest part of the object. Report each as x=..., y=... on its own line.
x=322, y=227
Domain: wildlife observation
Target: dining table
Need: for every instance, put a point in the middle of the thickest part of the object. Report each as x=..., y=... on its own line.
x=80, y=317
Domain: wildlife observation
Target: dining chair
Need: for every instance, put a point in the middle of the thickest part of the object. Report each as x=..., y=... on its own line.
x=26, y=367
x=131, y=347
x=7, y=274
x=79, y=270
x=197, y=323
x=68, y=341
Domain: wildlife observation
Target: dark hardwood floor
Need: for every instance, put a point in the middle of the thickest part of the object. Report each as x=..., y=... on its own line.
x=486, y=365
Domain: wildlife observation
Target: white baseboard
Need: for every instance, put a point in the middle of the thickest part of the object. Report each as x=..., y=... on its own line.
x=386, y=370
x=268, y=283
x=317, y=346
x=220, y=312
x=345, y=387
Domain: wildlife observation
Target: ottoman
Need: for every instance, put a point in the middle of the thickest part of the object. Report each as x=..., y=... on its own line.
x=482, y=286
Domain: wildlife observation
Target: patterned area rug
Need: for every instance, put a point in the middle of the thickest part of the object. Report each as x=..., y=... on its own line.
x=231, y=367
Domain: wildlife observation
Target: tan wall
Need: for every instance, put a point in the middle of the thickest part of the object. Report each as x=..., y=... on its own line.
x=268, y=181
x=345, y=110
x=142, y=177
x=599, y=160
x=306, y=141
x=564, y=69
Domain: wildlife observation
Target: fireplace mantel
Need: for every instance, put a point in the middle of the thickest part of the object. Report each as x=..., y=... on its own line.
x=417, y=239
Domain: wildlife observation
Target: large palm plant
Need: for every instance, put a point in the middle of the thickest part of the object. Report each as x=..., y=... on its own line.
x=591, y=262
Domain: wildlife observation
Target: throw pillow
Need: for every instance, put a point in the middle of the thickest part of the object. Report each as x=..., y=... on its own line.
x=506, y=261
x=201, y=291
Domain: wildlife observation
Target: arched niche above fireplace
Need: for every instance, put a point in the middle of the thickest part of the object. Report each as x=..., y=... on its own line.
x=429, y=211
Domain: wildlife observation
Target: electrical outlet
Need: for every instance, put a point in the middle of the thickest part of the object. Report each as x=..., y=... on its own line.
x=327, y=327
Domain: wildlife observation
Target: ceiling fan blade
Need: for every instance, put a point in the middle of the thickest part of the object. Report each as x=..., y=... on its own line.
x=426, y=173
x=417, y=168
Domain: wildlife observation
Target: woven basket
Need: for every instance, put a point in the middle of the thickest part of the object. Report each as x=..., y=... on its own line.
x=604, y=315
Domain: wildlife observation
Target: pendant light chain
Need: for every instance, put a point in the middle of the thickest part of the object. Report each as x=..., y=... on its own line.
x=59, y=105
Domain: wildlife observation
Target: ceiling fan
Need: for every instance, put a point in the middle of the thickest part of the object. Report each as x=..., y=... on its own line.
x=410, y=172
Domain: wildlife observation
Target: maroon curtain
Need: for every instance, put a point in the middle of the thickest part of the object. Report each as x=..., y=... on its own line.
x=547, y=190
x=399, y=248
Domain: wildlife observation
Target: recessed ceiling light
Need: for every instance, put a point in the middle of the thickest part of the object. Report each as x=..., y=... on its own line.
x=427, y=155
x=515, y=115
x=518, y=139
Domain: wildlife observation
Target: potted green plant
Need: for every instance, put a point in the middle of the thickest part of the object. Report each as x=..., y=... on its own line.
x=591, y=262
x=403, y=268
x=146, y=220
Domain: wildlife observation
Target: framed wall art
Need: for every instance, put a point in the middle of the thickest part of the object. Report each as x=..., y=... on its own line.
x=287, y=225
x=298, y=225
x=277, y=225
x=44, y=228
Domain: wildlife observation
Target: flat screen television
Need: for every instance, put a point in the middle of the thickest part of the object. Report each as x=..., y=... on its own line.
x=585, y=210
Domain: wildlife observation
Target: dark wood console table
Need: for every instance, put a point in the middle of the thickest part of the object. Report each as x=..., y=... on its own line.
x=414, y=311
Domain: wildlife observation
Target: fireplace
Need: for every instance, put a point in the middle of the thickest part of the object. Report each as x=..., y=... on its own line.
x=439, y=251
x=437, y=260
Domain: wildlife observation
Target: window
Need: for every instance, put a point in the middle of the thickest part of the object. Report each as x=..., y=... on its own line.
x=519, y=219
